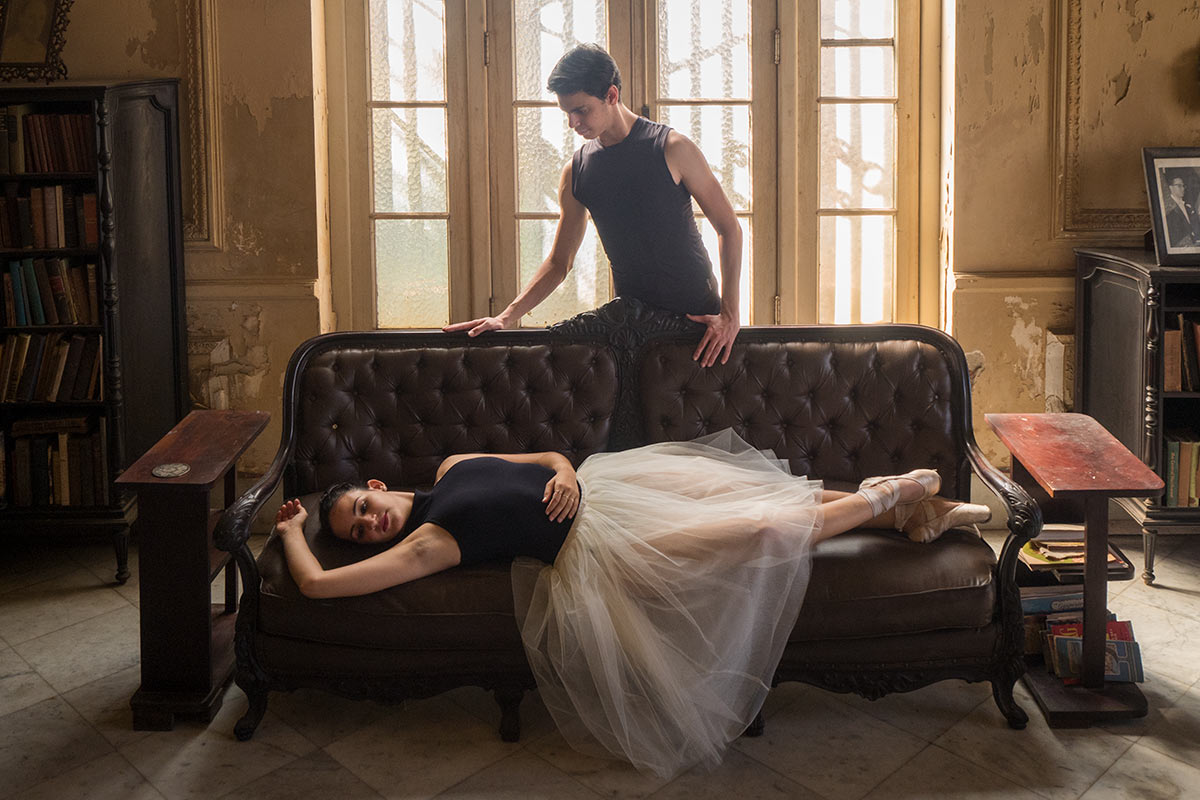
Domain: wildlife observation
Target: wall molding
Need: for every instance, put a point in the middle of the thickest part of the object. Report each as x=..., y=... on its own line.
x=1071, y=219
x=203, y=203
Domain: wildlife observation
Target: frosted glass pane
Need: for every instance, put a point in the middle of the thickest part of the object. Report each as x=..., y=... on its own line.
x=409, y=146
x=723, y=134
x=412, y=273
x=858, y=19
x=858, y=262
x=709, y=235
x=587, y=284
x=545, y=29
x=704, y=49
x=858, y=72
x=544, y=146
x=858, y=155
x=408, y=49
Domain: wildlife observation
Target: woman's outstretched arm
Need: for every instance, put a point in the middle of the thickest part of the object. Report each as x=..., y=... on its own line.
x=426, y=550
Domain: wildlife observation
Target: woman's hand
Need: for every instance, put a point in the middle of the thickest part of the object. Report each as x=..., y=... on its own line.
x=290, y=517
x=562, y=495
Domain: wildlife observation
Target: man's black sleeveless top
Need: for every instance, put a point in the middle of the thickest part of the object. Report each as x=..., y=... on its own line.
x=493, y=508
x=645, y=221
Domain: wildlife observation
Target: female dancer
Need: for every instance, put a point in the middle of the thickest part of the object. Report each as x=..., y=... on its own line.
x=677, y=573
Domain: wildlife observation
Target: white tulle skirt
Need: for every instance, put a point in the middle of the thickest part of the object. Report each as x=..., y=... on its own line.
x=655, y=634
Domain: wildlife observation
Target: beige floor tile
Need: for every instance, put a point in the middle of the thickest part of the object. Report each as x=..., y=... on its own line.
x=535, y=719
x=831, y=747
x=198, y=760
x=1161, y=693
x=520, y=776
x=54, y=604
x=1175, y=731
x=323, y=717
x=24, y=567
x=104, y=703
x=312, y=777
x=935, y=772
x=1055, y=763
x=86, y=651
x=20, y=686
x=109, y=777
x=930, y=711
x=1169, y=641
x=103, y=568
x=420, y=749
x=1147, y=775
x=738, y=776
x=43, y=741
x=1176, y=587
x=605, y=776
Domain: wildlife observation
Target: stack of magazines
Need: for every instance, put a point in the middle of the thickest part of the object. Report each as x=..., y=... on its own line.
x=1059, y=549
x=1054, y=632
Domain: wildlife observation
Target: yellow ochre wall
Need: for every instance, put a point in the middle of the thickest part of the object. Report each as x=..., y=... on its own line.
x=1051, y=103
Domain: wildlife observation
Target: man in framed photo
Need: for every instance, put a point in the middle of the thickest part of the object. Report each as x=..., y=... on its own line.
x=1183, y=224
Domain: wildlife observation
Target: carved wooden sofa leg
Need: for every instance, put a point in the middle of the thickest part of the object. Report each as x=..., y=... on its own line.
x=1002, y=692
x=756, y=726
x=509, y=701
x=256, y=693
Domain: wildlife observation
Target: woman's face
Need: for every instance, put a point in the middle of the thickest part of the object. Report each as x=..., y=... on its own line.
x=368, y=516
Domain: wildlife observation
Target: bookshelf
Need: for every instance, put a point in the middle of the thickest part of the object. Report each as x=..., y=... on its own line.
x=1126, y=305
x=93, y=365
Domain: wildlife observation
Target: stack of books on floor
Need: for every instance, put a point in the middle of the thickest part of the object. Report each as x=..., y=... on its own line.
x=1183, y=468
x=1054, y=633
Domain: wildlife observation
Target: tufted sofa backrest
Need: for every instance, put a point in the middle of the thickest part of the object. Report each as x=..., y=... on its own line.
x=839, y=402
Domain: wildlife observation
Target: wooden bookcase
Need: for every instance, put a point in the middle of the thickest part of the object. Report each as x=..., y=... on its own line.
x=1124, y=302
x=98, y=278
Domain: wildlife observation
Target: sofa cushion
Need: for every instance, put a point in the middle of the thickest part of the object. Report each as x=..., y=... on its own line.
x=864, y=584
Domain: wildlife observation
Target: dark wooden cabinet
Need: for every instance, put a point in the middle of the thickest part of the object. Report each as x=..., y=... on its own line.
x=105, y=157
x=1124, y=301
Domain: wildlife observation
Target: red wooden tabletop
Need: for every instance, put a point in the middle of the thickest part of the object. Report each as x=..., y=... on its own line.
x=1074, y=454
x=207, y=441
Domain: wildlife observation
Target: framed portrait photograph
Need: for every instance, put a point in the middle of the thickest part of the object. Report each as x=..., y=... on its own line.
x=1173, y=186
x=32, y=35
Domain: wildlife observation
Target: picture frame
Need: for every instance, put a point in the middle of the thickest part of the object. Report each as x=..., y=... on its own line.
x=1173, y=189
x=32, y=36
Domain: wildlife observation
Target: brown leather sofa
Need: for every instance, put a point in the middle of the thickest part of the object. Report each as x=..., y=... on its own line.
x=882, y=614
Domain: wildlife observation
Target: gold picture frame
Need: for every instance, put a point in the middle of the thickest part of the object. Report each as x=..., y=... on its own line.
x=32, y=36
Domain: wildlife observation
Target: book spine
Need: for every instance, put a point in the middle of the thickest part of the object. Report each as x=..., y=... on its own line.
x=45, y=296
x=1183, y=479
x=1191, y=359
x=20, y=302
x=1193, y=499
x=1171, y=479
x=1172, y=361
x=1047, y=605
x=30, y=287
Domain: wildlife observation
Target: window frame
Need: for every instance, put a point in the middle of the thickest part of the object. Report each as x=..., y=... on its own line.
x=483, y=272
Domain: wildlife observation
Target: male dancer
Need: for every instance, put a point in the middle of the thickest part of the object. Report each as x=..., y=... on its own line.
x=637, y=178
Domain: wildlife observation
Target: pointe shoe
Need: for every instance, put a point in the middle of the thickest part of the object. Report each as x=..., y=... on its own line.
x=924, y=525
x=881, y=492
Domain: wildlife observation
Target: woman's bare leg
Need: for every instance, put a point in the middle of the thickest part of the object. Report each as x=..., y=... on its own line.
x=843, y=511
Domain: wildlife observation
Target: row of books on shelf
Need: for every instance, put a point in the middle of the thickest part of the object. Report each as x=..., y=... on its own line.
x=1182, y=478
x=50, y=291
x=1181, y=355
x=51, y=367
x=55, y=462
x=1054, y=631
x=48, y=217
x=46, y=142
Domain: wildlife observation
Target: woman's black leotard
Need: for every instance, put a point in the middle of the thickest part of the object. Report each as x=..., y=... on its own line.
x=493, y=508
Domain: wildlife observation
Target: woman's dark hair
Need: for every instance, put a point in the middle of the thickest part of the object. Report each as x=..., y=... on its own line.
x=585, y=68
x=329, y=498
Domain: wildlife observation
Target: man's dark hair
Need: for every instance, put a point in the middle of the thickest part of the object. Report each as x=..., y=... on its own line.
x=585, y=68
x=329, y=498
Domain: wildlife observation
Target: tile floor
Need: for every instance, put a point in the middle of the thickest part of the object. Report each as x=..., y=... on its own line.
x=68, y=665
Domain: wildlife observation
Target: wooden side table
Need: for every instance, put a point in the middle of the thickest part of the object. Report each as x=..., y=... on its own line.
x=187, y=641
x=1073, y=457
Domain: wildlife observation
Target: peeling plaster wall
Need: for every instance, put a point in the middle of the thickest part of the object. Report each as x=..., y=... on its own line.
x=1028, y=186
x=251, y=301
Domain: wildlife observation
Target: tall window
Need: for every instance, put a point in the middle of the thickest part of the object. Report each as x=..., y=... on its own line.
x=460, y=149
